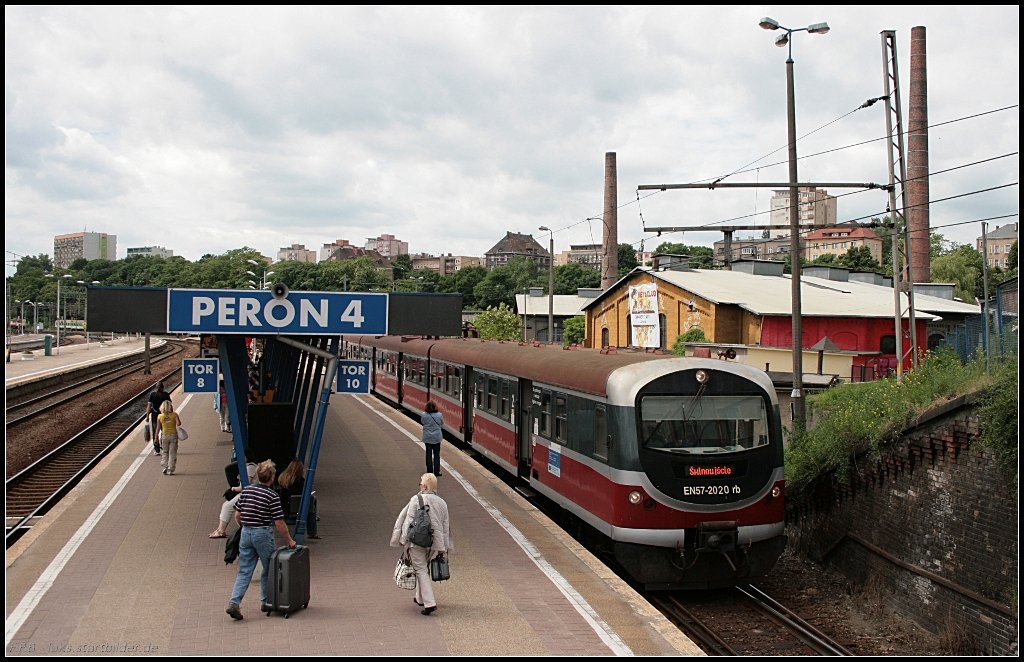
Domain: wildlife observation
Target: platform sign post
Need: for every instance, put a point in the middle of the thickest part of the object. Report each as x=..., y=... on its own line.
x=353, y=377
x=199, y=375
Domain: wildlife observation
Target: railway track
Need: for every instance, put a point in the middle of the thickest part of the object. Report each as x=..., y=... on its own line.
x=32, y=491
x=743, y=621
x=22, y=408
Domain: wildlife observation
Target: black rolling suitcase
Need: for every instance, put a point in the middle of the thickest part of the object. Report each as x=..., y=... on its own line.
x=288, y=582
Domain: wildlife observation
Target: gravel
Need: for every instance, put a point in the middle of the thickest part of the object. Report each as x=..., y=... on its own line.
x=855, y=616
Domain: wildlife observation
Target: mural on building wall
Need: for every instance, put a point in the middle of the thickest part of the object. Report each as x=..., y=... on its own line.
x=643, y=315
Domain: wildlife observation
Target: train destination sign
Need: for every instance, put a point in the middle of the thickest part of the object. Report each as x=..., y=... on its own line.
x=256, y=312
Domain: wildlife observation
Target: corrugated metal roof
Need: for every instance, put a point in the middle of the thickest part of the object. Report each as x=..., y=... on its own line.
x=565, y=305
x=771, y=295
x=922, y=302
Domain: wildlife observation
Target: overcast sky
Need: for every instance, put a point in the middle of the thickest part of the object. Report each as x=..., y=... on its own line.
x=206, y=129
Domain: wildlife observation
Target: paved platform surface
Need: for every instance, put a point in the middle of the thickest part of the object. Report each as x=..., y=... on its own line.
x=124, y=566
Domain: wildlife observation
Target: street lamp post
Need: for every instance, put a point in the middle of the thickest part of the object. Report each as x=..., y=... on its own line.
x=86, y=316
x=35, y=316
x=23, y=316
x=799, y=410
x=551, y=282
x=56, y=323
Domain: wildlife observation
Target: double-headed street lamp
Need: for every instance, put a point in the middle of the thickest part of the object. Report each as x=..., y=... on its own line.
x=266, y=274
x=799, y=411
x=551, y=282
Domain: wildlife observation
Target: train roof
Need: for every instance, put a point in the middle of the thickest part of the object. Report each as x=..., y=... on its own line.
x=577, y=368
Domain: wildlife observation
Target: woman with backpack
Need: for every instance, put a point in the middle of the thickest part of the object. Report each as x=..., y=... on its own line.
x=426, y=515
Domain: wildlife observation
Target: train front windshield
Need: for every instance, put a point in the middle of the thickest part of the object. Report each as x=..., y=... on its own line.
x=704, y=424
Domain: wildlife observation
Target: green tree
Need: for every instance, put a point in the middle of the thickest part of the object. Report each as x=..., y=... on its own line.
x=402, y=266
x=858, y=258
x=570, y=277
x=27, y=282
x=502, y=283
x=938, y=245
x=300, y=276
x=701, y=257
x=498, y=323
x=367, y=277
x=787, y=269
x=828, y=259
x=695, y=334
x=627, y=259
x=574, y=331
x=464, y=281
x=102, y=270
x=1011, y=258
x=961, y=266
x=880, y=226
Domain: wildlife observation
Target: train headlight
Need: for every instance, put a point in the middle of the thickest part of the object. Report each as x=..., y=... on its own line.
x=635, y=497
x=776, y=491
x=702, y=377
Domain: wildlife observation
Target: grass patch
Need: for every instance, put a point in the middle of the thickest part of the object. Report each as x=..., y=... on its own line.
x=848, y=420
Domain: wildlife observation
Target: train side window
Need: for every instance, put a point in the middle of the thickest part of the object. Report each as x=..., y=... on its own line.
x=492, y=395
x=600, y=433
x=545, y=414
x=480, y=383
x=503, y=411
x=560, y=421
x=457, y=383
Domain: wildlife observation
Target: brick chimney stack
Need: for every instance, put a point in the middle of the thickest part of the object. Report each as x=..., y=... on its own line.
x=917, y=161
x=610, y=231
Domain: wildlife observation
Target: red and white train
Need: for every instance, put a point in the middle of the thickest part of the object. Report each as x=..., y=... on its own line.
x=673, y=464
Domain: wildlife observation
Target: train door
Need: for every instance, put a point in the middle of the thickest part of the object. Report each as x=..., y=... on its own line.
x=522, y=410
x=400, y=376
x=468, y=400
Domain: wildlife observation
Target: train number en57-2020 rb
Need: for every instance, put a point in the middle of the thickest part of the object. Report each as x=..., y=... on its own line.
x=710, y=490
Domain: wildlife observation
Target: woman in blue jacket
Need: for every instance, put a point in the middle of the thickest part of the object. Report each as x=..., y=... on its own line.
x=432, y=425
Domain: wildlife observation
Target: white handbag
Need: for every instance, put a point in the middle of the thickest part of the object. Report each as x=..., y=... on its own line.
x=405, y=576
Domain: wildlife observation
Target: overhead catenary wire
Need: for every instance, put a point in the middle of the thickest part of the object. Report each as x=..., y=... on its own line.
x=873, y=215
x=830, y=151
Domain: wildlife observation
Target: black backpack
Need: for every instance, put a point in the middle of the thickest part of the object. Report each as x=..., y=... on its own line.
x=420, y=532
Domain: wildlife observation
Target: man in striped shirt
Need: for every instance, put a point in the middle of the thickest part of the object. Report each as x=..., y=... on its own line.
x=258, y=512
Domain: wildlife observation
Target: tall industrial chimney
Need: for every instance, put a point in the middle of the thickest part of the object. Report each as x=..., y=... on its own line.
x=610, y=232
x=917, y=161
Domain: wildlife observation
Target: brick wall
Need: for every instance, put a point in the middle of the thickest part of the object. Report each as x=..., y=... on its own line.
x=933, y=526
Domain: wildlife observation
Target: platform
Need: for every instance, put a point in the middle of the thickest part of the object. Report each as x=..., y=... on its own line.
x=123, y=564
x=72, y=357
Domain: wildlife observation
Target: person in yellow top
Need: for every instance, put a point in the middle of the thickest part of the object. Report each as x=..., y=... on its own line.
x=167, y=422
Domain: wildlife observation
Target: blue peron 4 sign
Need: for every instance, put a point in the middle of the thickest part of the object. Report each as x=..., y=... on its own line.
x=254, y=313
